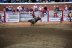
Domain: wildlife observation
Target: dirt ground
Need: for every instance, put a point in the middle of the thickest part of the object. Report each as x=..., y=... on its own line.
x=41, y=35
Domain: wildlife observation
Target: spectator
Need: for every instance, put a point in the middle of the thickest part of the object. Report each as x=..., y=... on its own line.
x=5, y=1
x=70, y=0
x=43, y=1
x=66, y=8
x=4, y=9
x=54, y=8
x=61, y=1
x=49, y=0
x=56, y=0
x=30, y=1
x=70, y=15
x=33, y=1
x=42, y=10
x=23, y=9
x=20, y=8
x=35, y=7
x=13, y=1
x=9, y=8
x=25, y=0
x=17, y=1
x=67, y=0
x=0, y=1
x=31, y=9
x=9, y=1
x=69, y=8
x=57, y=8
x=38, y=1
x=27, y=10
x=45, y=9
x=13, y=10
x=17, y=8
x=40, y=7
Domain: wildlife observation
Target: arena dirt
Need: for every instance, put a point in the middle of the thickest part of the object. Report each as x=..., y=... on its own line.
x=37, y=36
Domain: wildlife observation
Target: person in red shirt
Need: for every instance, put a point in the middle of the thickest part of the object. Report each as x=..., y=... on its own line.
x=42, y=10
x=31, y=9
x=13, y=10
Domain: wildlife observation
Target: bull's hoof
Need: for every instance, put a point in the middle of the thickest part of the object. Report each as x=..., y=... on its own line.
x=32, y=24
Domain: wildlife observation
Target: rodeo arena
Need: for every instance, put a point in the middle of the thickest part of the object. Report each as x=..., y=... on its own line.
x=36, y=25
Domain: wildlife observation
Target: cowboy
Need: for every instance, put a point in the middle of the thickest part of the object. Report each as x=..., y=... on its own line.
x=34, y=17
x=70, y=15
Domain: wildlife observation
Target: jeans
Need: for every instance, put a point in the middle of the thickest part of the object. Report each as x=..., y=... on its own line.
x=70, y=19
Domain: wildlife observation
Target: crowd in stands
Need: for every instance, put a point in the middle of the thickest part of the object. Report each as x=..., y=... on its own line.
x=36, y=8
x=32, y=1
x=19, y=8
x=56, y=8
x=41, y=9
x=22, y=9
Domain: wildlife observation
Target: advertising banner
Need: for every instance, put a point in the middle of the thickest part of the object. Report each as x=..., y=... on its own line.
x=67, y=18
x=54, y=19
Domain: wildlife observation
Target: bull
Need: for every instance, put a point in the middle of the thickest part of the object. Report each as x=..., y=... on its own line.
x=34, y=20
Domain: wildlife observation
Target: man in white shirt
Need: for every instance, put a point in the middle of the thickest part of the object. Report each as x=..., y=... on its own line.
x=40, y=7
x=66, y=8
x=35, y=7
x=18, y=7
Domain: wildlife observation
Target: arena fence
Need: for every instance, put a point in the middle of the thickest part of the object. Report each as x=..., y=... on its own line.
x=25, y=16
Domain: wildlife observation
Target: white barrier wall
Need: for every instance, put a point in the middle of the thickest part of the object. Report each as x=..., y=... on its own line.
x=28, y=15
x=16, y=17
x=51, y=15
x=25, y=16
x=12, y=17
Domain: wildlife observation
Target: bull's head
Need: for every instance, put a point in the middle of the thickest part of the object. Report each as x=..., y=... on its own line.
x=29, y=20
x=38, y=18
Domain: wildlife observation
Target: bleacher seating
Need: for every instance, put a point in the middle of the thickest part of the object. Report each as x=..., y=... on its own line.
x=31, y=1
